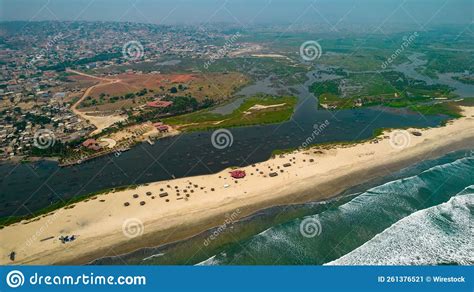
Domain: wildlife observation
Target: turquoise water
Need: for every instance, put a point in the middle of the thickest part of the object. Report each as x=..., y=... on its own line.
x=441, y=234
x=421, y=215
x=370, y=213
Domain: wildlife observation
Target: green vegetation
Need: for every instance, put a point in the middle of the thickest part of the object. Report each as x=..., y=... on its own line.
x=360, y=60
x=58, y=149
x=73, y=64
x=368, y=89
x=328, y=90
x=36, y=119
x=444, y=61
x=445, y=108
x=243, y=116
x=427, y=72
x=181, y=105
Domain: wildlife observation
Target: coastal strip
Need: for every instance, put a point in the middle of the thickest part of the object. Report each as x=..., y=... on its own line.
x=154, y=214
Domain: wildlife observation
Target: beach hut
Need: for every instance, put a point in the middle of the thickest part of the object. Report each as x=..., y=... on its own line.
x=163, y=128
x=237, y=174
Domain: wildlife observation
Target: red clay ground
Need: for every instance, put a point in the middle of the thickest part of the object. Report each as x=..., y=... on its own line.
x=214, y=86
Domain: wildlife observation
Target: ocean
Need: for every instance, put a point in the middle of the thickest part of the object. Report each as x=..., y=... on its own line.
x=421, y=215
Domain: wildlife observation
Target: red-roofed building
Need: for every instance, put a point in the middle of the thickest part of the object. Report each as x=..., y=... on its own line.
x=163, y=128
x=237, y=173
x=91, y=144
x=159, y=103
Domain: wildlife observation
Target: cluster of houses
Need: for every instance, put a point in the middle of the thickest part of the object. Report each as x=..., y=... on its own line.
x=18, y=127
x=93, y=144
x=31, y=74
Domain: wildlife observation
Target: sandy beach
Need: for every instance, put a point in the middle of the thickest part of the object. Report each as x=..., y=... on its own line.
x=158, y=213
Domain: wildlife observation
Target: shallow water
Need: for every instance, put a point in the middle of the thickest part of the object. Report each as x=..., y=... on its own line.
x=409, y=69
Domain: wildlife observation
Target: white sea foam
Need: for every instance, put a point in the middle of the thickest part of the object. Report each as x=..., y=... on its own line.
x=212, y=261
x=395, y=199
x=153, y=256
x=442, y=234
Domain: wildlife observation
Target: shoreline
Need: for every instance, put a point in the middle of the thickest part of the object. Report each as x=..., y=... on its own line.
x=314, y=174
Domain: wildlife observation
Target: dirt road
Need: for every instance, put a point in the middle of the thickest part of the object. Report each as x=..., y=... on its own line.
x=100, y=122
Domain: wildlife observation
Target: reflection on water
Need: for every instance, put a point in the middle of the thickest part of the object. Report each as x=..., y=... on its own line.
x=409, y=69
x=260, y=86
x=461, y=89
x=263, y=86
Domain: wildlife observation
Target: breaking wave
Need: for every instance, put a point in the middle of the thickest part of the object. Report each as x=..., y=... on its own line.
x=434, y=207
x=443, y=234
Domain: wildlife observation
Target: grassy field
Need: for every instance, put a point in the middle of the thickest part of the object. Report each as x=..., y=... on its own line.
x=367, y=89
x=136, y=89
x=260, y=109
x=446, y=108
